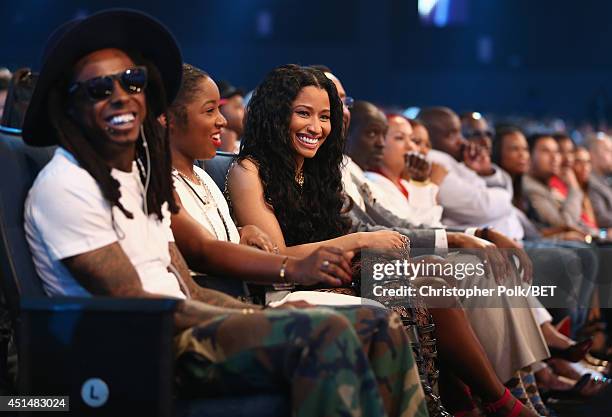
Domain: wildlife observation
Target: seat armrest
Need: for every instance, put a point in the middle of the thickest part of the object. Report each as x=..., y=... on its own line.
x=109, y=304
x=64, y=342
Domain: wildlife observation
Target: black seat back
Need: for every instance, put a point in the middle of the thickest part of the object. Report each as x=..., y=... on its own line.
x=218, y=167
x=19, y=165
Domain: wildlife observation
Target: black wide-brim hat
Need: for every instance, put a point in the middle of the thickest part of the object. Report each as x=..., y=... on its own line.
x=124, y=29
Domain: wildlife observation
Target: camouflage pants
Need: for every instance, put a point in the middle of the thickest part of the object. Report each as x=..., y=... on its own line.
x=349, y=361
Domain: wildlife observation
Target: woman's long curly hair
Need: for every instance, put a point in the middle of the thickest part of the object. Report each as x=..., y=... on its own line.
x=313, y=212
x=79, y=142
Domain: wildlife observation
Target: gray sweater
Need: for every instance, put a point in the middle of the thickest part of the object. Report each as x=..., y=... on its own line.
x=550, y=210
x=601, y=199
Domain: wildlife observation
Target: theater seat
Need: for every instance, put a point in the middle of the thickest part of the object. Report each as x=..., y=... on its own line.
x=218, y=167
x=112, y=357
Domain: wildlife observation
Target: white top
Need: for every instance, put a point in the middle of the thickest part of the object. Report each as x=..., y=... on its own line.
x=214, y=213
x=468, y=201
x=352, y=178
x=67, y=215
x=356, y=185
x=420, y=208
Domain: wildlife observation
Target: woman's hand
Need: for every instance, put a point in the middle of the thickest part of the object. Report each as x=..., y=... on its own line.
x=417, y=167
x=478, y=159
x=326, y=265
x=383, y=239
x=251, y=235
x=569, y=178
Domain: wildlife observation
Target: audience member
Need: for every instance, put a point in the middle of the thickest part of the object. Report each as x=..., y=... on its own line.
x=257, y=149
x=205, y=224
x=109, y=189
x=553, y=193
x=475, y=127
x=414, y=199
x=464, y=194
x=18, y=97
x=583, y=171
x=420, y=136
x=599, y=193
x=5, y=79
x=600, y=148
x=232, y=108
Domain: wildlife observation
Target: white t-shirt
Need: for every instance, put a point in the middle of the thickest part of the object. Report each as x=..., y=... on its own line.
x=67, y=215
x=420, y=208
x=207, y=215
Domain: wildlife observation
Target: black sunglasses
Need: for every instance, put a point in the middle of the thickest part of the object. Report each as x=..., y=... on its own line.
x=133, y=81
x=477, y=134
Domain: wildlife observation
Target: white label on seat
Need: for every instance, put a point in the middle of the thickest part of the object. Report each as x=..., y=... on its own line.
x=94, y=392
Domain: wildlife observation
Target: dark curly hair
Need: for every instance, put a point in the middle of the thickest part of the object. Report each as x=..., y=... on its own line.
x=313, y=212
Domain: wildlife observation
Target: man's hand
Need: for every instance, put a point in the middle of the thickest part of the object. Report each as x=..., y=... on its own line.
x=251, y=235
x=478, y=159
x=494, y=261
x=417, y=167
x=511, y=247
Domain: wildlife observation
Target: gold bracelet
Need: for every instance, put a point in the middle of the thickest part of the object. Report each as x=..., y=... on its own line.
x=283, y=268
x=420, y=183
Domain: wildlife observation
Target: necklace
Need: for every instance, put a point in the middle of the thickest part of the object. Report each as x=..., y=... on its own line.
x=208, y=199
x=197, y=179
x=299, y=178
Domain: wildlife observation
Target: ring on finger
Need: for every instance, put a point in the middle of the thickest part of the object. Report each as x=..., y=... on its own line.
x=325, y=264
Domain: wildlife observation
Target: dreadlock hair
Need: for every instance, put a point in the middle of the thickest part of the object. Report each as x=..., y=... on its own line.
x=79, y=142
x=187, y=93
x=312, y=212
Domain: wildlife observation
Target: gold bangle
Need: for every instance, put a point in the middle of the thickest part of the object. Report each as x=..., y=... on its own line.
x=283, y=269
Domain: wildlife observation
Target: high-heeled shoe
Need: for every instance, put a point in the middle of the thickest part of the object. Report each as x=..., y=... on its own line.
x=493, y=409
x=565, y=326
x=574, y=353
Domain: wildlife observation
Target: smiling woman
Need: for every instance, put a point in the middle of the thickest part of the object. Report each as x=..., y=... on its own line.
x=310, y=122
x=287, y=180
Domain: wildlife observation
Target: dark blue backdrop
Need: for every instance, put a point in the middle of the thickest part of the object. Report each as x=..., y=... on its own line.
x=511, y=56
